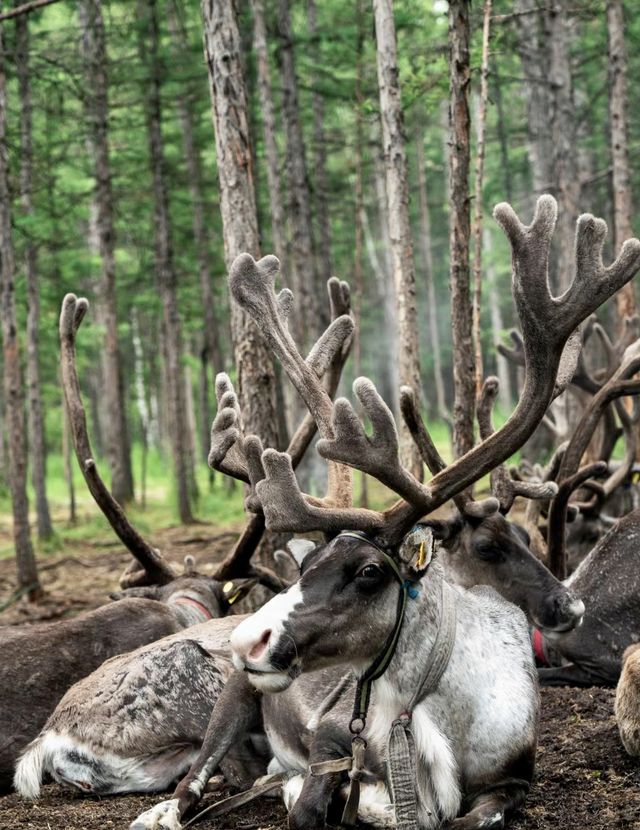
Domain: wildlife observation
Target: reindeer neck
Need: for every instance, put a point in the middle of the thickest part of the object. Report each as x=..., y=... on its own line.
x=190, y=608
x=415, y=650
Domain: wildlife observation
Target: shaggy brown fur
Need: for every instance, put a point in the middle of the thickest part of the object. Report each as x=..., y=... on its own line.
x=627, y=706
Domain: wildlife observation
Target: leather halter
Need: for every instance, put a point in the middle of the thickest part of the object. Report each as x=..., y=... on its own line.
x=381, y=662
x=185, y=600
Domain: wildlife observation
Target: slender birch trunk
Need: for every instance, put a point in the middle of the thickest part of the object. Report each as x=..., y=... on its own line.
x=398, y=204
x=37, y=439
x=164, y=263
x=97, y=114
x=28, y=580
x=464, y=374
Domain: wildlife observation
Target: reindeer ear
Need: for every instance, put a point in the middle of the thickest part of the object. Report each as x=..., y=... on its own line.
x=236, y=589
x=417, y=549
x=189, y=565
x=300, y=549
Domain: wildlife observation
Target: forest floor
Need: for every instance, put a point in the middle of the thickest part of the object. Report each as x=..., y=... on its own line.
x=584, y=778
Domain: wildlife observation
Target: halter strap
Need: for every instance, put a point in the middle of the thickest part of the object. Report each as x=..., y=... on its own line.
x=380, y=664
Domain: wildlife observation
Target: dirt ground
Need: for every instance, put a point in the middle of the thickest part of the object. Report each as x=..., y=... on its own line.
x=584, y=778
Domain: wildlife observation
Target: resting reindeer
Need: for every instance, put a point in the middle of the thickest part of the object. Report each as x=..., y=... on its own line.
x=39, y=663
x=418, y=645
x=126, y=754
x=627, y=706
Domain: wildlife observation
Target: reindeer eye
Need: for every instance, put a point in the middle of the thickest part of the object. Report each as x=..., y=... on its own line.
x=488, y=552
x=370, y=572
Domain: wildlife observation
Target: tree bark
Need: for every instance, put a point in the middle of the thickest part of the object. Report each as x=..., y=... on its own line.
x=477, y=226
x=37, y=439
x=96, y=107
x=497, y=326
x=278, y=237
x=427, y=264
x=13, y=390
x=464, y=374
x=534, y=56
x=399, y=226
x=211, y=352
x=255, y=379
x=563, y=135
x=312, y=315
x=324, y=267
x=165, y=270
x=618, y=105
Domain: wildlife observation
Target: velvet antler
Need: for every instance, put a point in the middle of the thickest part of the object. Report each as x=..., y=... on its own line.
x=154, y=569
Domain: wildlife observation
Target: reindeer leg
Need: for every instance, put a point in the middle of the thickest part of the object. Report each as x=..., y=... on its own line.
x=309, y=811
x=235, y=713
x=487, y=810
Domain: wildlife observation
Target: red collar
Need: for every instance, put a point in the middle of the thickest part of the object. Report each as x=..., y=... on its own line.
x=195, y=604
x=537, y=641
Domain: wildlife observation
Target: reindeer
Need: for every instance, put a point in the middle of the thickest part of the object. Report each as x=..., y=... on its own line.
x=627, y=705
x=118, y=752
x=449, y=670
x=39, y=663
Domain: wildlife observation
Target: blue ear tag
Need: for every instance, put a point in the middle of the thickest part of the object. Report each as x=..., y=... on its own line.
x=411, y=589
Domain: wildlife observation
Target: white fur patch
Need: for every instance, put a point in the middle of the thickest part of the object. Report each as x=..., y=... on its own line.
x=291, y=790
x=29, y=771
x=271, y=617
x=163, y=816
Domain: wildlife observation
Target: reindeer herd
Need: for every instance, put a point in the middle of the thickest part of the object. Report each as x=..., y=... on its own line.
x=395, y=681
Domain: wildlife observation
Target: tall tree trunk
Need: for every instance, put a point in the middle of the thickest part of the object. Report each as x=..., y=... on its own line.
x=67, y=454
x=97, y=113
x=563, y=135
x=255, y=378
x=477, y=226
x=618, y=104
x=359, y=214
x=37, y=440
x=278, y=238
x=13, y=390
x=503, y=136
x=165, y=269
x=399, y=227
x=427, y=264
x=464, y=374
x=312, y=315
x=533, y=49
x=211, y=353
x=141, y=402
x=320, y=182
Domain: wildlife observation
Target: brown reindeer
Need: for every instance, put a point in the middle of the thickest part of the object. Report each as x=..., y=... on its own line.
x=627, y=705
x=38, y=663
x=368, y=603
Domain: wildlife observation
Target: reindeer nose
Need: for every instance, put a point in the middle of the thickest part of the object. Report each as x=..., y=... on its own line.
x=259, y=648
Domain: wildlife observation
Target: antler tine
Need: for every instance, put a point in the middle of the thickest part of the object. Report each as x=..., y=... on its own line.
x=226, y=453
x=377, y=454
x=154, y=568
x=503, y=486
x=558, y=513
x=629, y=430
x=515, y=354
x=252, y=286
x=619, y=384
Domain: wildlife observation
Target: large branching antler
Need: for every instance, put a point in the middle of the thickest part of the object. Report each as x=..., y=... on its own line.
x=551, y=344
x=621, y=383
x=154, y=569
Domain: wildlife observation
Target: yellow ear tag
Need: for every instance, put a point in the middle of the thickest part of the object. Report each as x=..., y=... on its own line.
x=227, y=587
x=232, y=599
x=422, y=556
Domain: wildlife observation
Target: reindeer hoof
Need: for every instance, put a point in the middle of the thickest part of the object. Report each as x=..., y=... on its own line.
x=163, y=816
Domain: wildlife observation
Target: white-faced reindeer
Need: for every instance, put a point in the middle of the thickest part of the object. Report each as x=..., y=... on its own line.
x=39, y=663
x=133, y=753
x=446, y=669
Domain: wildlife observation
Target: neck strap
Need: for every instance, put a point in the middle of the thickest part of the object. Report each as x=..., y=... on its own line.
x=204, y=611
x=380, y=664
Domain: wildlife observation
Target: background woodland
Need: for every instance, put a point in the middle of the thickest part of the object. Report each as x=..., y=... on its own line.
x=109, y=188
